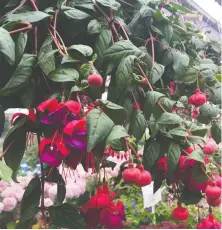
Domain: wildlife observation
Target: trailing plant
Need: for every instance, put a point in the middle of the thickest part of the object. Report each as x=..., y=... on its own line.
x=55, y=57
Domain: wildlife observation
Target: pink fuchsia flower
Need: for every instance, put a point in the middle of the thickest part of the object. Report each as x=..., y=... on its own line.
x=1, y=207
x=52, y=151
x=3, y=185
x=113, y=217
x=9, y=204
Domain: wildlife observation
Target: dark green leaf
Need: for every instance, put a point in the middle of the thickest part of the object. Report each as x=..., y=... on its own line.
x=7, y=46
x=120, y=50
x=28, y=95
x=207, y=112
x=94, y=27
x=151, y=99
x=138, y=124
x=150, y=154
x=5, y=172
x=63, y=75
x=83, y=49
x=99, y=126
x=169, y=119
x=110, y=4
x=103, y=42
x=29, y=16
x=125, y=71
x=2, y=120
x=216, y=132
x=14, y=145
x=20, y=47
x=21, y=76
x=156, y=72
x=61, y=190
x=30, y=199
x=173, y=156
x=75, y=89
x=215, y=95
x=196, y=155
x=114, y=111
x=66, y=216
x=117, y=132
x=46, y=59
x=190, y=198
x=180, y=62
x=196, y=140
x=197, y=130
x=76, y=14
x=188, y=77
x=198, y=173
x=181, y=131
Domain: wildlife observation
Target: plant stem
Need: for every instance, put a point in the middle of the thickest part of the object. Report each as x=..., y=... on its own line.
x=19, y=30
x=56, y=43
x=36, y=40
x=42, y=206
x=152, y=43
x=2, y=155
x=144, y=75
x=34, y=5
x=55, y=21
x=20, y=5
x=124, y=31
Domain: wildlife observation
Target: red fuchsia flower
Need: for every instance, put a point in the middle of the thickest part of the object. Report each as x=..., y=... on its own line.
x=31, y=116
x=172, y=88
x=74, y=158
x=76, y=134
x=52, y=151
x=180, y=213
x=54, y=112
x=195, y=112
x=198, y=98
x=113, y=217
x=161, y=165
x=209, y=223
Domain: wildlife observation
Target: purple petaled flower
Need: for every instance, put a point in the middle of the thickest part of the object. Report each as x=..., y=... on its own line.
x=147, y=220
x=126, y=206
x=149, y=209
x=134, y=201
x=135, y=213
x=134, y=206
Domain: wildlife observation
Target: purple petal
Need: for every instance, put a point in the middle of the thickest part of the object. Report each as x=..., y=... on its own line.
x=81, y=132
x=77, y=142
x=50, y=157
x=54, y=117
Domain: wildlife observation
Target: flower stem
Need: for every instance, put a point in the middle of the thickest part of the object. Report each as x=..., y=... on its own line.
x=19, y=30
x=18, y=7
x=34, y=5
x=36, y=40
x=152, y=43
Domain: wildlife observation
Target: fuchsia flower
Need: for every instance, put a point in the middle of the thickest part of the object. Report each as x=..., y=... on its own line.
x=52, y=151
x=113, y=217
x=172, y=88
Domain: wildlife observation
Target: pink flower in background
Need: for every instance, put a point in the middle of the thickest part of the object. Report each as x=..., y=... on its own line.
x=9, y=192
x=52, y=192
x=1, y=207
x=3, y=185
x=9, y=204
x=19, y=195
x=24, y=181
x=69, y=192
x=48, y=202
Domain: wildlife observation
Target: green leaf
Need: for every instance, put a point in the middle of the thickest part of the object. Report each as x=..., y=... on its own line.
x=151, y=153
x=216, y=132
x=14, y=145
x=20, y=47
x=173, y=156
x=180, y=8
x=114, y=111
x=198, y=173
x=151, y=99
x=61, y=190
x=28, y=95
x=30, y=200
x=76, y=14
x=110, y=4
x=188, y=77
x=180, y=62
x=46, y=59
x=190, y=198
x=29, y=16
x=64, y=75
x=94, y=27
x=99, y=126
x=2, y=120
x=156, y=72
x=7, y=46
x=11, y=225
x=120, y=50
x=83, y=49
x=181, y=131
x=196, y=155
x=215, y=95
x=138, y=124
x=154, y=29
x=20, y=77
x=117, y=132
x=5, y=172
x=196, y=140
x=197, y=130
x=207, y=112
x=75, y=88
x=66, y=216
x=103, y=42
x=169, y=119
x=125, y=71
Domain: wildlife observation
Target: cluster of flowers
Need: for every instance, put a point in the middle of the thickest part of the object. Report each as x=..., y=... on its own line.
x=209, y=223
x=101, y=210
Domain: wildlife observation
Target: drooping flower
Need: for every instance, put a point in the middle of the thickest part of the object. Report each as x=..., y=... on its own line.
x=113, y=216
x=172, y=88
x=52, y=151
x=31, y=116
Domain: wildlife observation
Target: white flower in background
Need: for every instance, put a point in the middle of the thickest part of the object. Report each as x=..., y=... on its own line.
x=9, y=204
x=19, y=195
x=52, y=192
x=1, y=207
x=48, y=202
x=9, y=192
